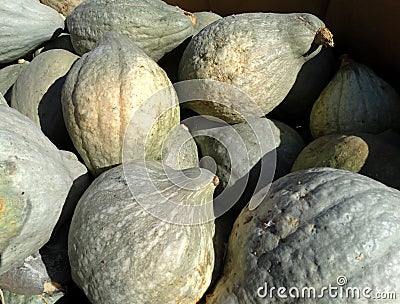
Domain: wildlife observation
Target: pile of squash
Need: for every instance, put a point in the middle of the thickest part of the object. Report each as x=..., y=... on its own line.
x=153, y=155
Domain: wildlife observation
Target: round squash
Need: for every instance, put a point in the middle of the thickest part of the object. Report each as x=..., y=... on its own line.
x=120, y=253
x=35, y=178
x=25, y=24
x=346, y=152
x=37, y=93
x=102, y=92
x=356, y=100
x=376, y=156
x=153, y=25
x=259, y=53
x=314, y=227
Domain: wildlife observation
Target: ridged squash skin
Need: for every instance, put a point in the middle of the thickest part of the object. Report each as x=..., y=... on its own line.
x=24, y=25
x=259, y=53
x=102, y=91
x=120, y=253
x=152, y=25
x=37, y=93
x=355, y=100
x=313, y=227
x=35, y=179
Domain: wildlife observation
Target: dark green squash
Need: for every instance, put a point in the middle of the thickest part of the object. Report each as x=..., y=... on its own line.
x=152, y=25
x=259, y=53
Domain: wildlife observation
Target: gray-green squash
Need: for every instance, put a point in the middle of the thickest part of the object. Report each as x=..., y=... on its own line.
x=314, y=227
x=35, y=179
x=152, y=25
x=24, y=25
x=102, y=92
x=376, y=156
x=356, y=100
x=37, y=93
x=259, y=53
x=238, y=148
x=120, y=253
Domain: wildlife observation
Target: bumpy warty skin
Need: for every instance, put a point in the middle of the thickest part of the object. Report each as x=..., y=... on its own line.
x=313, y=227
x=259, y=53
x=102, y=92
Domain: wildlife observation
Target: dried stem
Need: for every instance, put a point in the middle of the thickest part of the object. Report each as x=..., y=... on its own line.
x=324, y=37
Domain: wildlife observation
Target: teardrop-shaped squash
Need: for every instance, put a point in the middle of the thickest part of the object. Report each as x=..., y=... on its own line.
x=356, y=100
x=259, y=53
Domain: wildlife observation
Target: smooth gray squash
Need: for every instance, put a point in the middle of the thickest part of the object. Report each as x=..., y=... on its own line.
x=24, y=25
x=313, y=227
x=102, y=92
x=120, y=253
x=355, y=100
x=35, y=179
x=37, y=93
x=152, y=25
x=259, y=53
